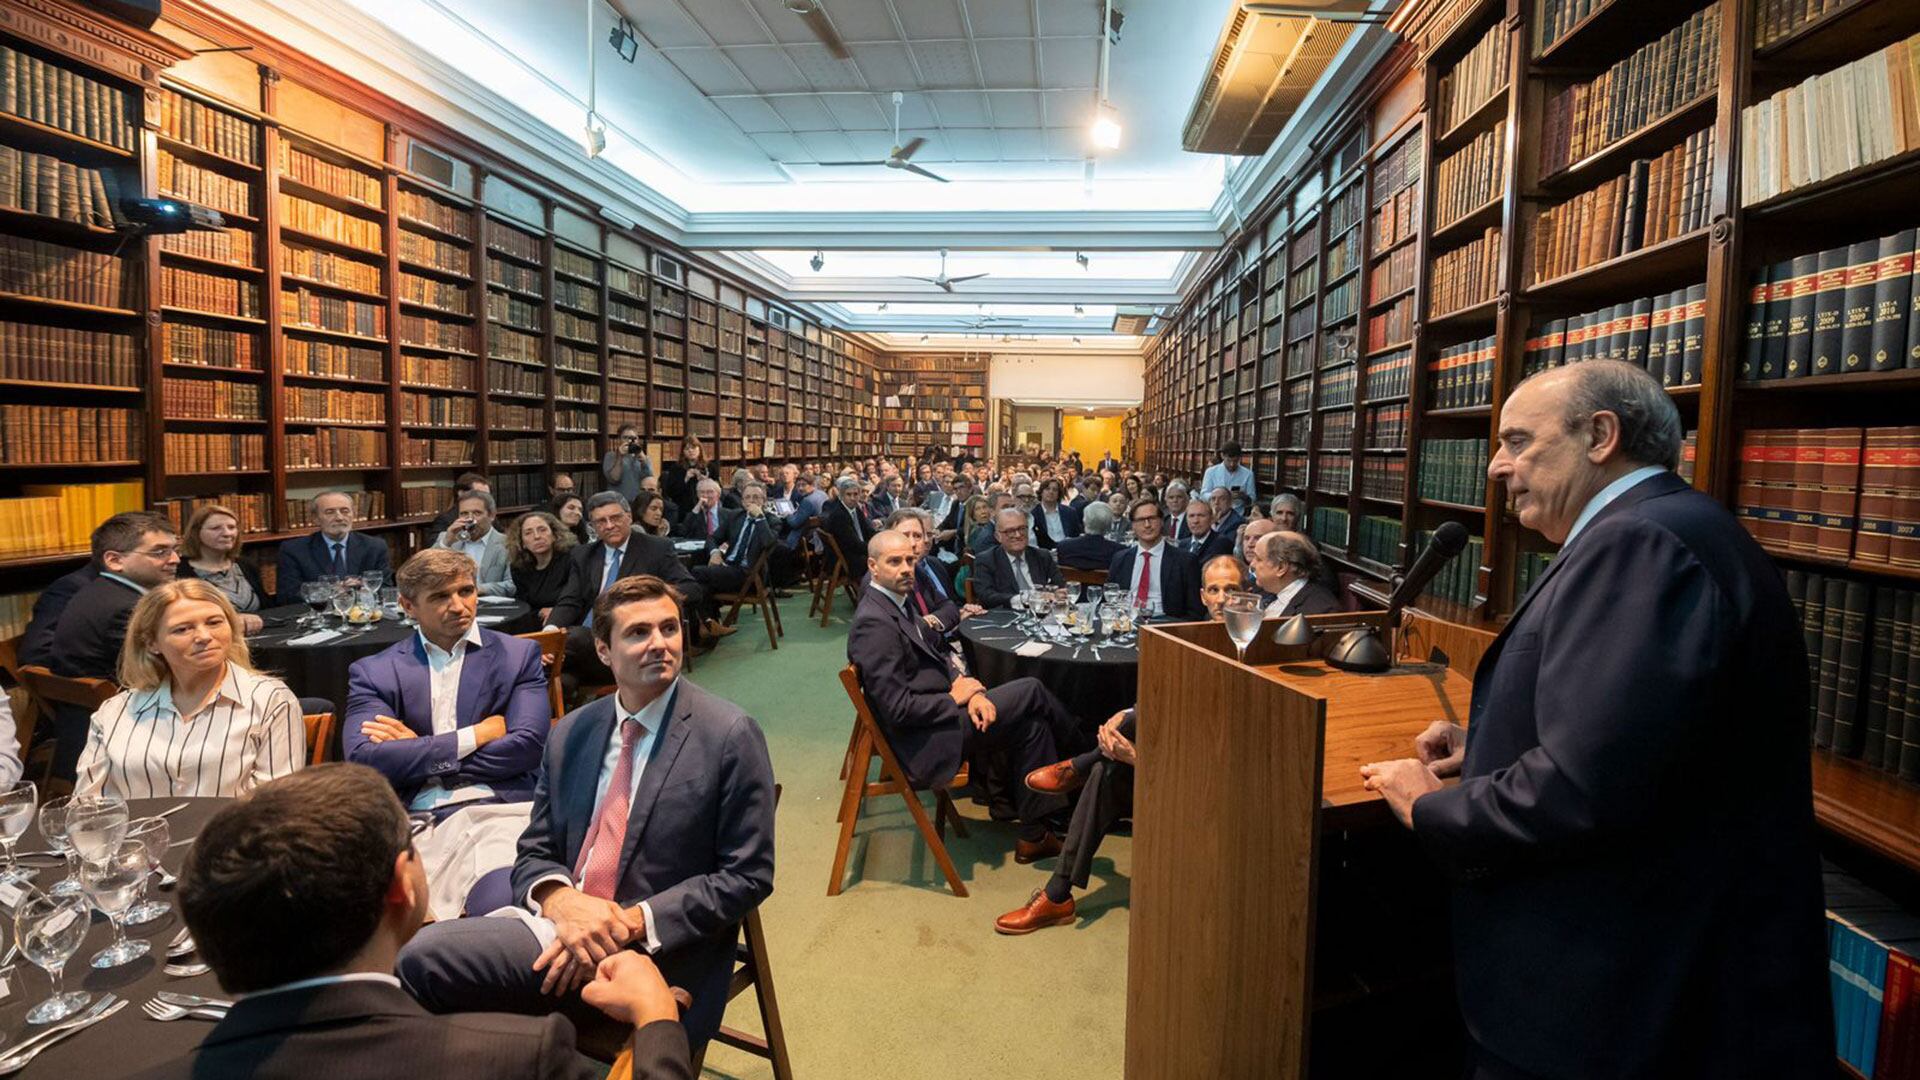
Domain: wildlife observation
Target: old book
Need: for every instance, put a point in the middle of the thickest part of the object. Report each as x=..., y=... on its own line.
x=1829, y=303
x=1805, y=272
x=1753, y=354
x=1899, y=642
x=1879, y=655
x=1910, y=748
x=1694, y=329
x=1856, y=318
x=1892, y=295
x=1813, y=615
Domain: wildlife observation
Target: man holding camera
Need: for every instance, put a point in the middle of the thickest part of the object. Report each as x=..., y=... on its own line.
x=626, y=464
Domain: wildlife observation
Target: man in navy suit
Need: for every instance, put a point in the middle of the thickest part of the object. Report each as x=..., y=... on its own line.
x=1012, y=566
x=1204, y=542
x=1637, y=891
x=619, y=552
x=935, y=714
x=456, y=713
x=1154, y=570
x=652, y=828
x=1091, y=550
x=708, y=521
x=335, y=551
x=845, y=520
x=1054, y=520
x=747, y=533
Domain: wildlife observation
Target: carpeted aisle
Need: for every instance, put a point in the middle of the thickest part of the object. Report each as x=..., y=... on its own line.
x=896, y=978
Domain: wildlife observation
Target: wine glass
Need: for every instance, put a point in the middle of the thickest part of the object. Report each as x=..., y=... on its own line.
x=96, y=826
x=53, y=826
x=154, y=835
x=373, y=579
x=1041, y=605
x=1242, y=614
x=49, y=930
x=1122, y=624
x=317, y=594
x=342, y=601
x=114, y=882
x=17, y=803
x=1115, y=593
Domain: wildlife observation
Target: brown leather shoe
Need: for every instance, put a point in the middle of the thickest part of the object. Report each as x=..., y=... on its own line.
x=1046, y=847
x=1058, y=778
x=1039, y=914
x=717, y=629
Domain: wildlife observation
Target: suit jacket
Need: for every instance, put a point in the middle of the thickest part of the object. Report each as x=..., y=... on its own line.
x=1218, y=542
x=1179, y=580
x=494, y=576
x=1312, y=598
x=803, y=510
x=374, y=1031
x=645, y=555
x=852, y=536
x=307, y=559
x=501, y=675
x=933, y=584
x=694, y=525
x=994, y=583
x=1070, y=524
x=36, y=645
x=92, y=627
x=1638, y=892
x=906, y=680
x=1088, y=552
x=699, y=841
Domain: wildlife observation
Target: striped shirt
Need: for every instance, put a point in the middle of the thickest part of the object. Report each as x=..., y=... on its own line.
x=139, y=746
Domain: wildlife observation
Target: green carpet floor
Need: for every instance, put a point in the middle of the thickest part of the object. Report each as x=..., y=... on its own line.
x=896, y=977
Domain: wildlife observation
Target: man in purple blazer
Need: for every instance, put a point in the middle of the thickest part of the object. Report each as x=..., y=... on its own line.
x=453, y=715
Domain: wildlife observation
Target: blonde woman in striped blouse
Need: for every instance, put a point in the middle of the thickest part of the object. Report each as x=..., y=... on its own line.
x=195, y=719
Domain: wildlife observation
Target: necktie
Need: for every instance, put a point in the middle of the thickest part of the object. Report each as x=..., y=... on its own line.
x=1020, y=573
x=713, y=522
x=599, y=867
x=613, y=574
x=339, y=567
x=740, y=549
x=1146, y=575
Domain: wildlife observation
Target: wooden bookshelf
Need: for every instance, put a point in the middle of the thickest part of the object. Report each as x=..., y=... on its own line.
x=932, y=400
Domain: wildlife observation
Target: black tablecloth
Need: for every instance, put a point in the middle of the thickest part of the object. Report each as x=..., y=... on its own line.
x=321, y=670
x=127, y=1041
x=1093, y=677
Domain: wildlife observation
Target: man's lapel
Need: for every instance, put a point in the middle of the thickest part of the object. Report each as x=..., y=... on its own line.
x=586, y=749
x=666, y=747
x=416, y=687
x=474, y=669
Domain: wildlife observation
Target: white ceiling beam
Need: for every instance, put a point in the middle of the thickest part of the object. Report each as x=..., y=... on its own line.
x=1180, y=230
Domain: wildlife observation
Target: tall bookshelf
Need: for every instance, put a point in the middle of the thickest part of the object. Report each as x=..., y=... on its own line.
x=931, y=401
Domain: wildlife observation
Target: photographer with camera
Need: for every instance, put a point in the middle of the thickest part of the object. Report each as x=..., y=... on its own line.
x=626, y=464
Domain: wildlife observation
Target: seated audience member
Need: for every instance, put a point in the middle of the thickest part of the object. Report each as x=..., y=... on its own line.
x=886, y=499
x=934, y=597
x=186, y=671
x=1053, y=520
x=808, y=503
x=1287, y=511
x=650, y=515
x=708, y=520
x=984, y=536
x=571, y=512
x=1107, y=774
x=1013, y=566
x=537, y=550
x=1205, y=542
x=976, y=529
x=1174, y=500
x=1225, y=517
x=932, y=712
x=1249, y=533
x=1154, y=571
x=651, y=486
x=472, y=534
x=36, y=645
x=730, y=495
x=560, y=483
x=845, y=520
x=443, y=736
x=749, y=532
x=1284, y=565
x=301, y=895
x=694, y=769
x=210, y=551
x=782, y=487
x=464, y=485
x=335, y=551
x=950, y=529
x=1091, y=550
x=619, y=552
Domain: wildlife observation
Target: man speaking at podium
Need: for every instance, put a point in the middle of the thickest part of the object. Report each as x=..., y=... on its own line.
x=1636, y=891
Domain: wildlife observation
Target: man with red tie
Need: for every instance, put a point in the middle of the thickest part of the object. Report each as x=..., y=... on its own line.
x=1158, y=575
x=652, y=829
x=708, y=521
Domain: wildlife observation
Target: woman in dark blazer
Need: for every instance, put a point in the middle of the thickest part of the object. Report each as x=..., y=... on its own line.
x=537, y=546
x=675, y=483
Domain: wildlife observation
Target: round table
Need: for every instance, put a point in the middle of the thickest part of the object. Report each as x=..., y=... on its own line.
x=1092, y=677
x=691, y=553
x=127, y=1041
x=320, y=669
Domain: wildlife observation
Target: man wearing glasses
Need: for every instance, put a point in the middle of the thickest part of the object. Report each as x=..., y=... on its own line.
x=1158, y=575
x=1012, y=566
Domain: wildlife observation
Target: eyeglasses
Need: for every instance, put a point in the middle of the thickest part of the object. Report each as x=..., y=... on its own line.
x=416, y=826
x=158, y=552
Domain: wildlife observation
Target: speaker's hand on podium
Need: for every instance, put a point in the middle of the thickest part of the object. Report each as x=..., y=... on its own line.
x=1442, y=748
x=1400, y=782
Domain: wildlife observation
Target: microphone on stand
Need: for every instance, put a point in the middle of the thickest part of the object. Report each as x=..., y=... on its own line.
x=1362, y=650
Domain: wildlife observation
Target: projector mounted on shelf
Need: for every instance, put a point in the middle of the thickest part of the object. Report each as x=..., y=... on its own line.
x=159, y=217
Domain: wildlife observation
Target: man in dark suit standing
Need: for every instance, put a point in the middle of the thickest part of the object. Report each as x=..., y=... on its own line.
x=934, y=714
x=1286, y=566
x=335, y=551
x=619, y=552
x=1012, y=566
x=652, y=828
x=1153, y=570
x=1204, y=542
x=1091, y=550
x=844, y=519
x=1638, y=892
x=299, y=896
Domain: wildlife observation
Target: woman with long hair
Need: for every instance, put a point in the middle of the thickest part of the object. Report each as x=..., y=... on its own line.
x=675, y=484
x=650, y=515
x=537, y=546
x=210, y=551
x=571, y=512
x=195, y=718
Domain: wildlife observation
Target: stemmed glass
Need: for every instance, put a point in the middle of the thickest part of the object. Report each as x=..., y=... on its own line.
x=373, y=579
x=1040, y=603
x=96, y=826
x=342, y=601
x=1242, y=614
x=17, y=804
x=49, y=930
x=53, y=826
x=317, y=594
x=153, y=834
x=114, y=882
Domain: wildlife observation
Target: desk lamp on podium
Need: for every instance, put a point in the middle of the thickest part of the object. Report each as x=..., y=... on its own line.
x=1360, y=648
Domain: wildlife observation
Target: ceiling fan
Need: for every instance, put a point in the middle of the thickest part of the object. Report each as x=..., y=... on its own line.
x=815, y=16
x=900, y=157
x=942, y=281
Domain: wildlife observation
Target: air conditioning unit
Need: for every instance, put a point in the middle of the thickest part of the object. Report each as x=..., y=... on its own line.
x=1267, y=59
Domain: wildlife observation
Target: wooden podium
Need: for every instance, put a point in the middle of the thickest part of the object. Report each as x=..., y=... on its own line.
x=1241, y=767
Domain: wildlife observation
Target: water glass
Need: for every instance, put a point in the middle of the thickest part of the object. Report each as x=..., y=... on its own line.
x=390, y=600
x=373, y=579
x=154, y=835
x=97, y=826
x=342, y=602
x=1242, y=614
x=17, y=802
x=114, y=883
x=53, y=826
x=49, y=930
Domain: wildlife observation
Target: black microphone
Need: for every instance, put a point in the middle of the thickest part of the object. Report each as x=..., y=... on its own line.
x=1448, y=541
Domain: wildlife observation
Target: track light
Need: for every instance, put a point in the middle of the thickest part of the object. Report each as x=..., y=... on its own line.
x=883, y=305
x=1079, y=309
x=923, y=338
x=623, y=40
x=1081, y=258
x=593, y=138
x=819, y=260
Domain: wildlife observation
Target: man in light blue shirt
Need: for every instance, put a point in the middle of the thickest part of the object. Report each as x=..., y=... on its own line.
x=1230, y=474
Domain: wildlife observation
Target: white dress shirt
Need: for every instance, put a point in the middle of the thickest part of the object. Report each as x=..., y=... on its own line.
x=140, y=747
x=1158, y=551
x=443, y=682
x=1284, y=597
x=326, y=980
x=1055, y=529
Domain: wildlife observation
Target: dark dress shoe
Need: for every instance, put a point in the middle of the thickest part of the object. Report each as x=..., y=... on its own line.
x=1028, y=851
x=1039, y=914
x=1059, y=778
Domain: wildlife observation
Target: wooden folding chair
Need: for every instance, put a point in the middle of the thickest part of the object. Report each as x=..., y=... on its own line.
x=755, y=594
x=26, y=711
x=870, y=742
x=48, y=690
x=837, y=577
x=553, y=658
x=320, y=727
x=757, y=972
